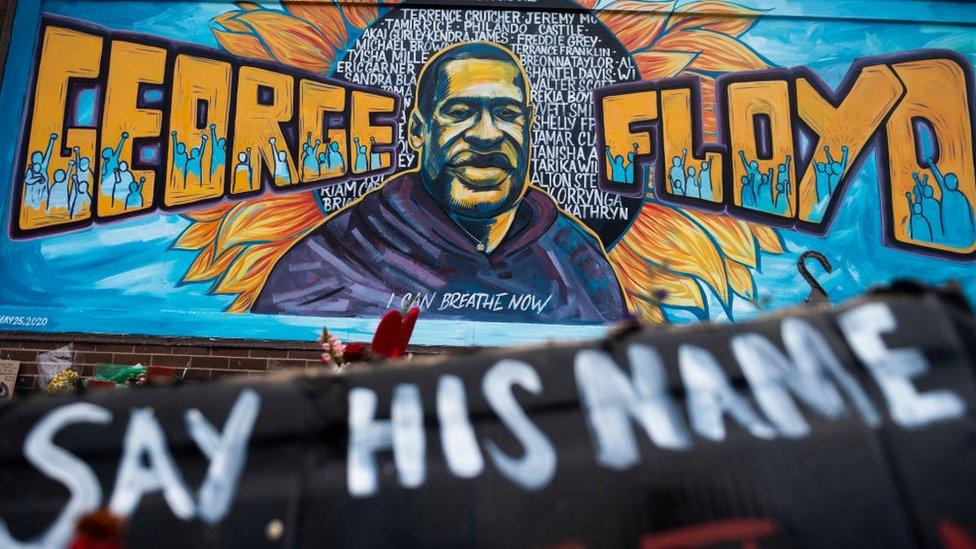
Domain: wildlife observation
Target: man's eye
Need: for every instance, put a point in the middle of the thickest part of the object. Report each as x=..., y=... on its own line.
x=458, y=113
x=508, y=114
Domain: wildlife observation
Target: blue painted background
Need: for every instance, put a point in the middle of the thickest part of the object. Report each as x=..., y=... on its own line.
x=119, y=278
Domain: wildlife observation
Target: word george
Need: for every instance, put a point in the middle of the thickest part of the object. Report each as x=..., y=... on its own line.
x=788, y=147
x=123, y=124
x=809, y=371
x=146, y=465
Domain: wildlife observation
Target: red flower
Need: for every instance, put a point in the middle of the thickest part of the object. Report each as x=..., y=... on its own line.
x=356, y=352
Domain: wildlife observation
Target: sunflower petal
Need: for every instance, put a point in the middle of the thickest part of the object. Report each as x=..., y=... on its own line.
x=326, y=17
x=664, y=236
x=768, y=239
x=209, y=213
x=740, y=279
x=733, y=236
x=649, y=313
x=719, y=53
x=362, y=13
x=244, y=45
x=229, y=22
x=637, y=24
x=197, y=236
x=662, y=64
x=268, y=219
x=714, y=15
x=647, y=281
x=291, y=40
x=588, y=4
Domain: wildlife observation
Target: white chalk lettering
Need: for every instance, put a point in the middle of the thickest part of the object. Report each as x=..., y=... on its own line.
x=537, y=466
x=710, y=396
x=227, y=453
x=893, y=369
x=611, y=400
x=404, y=433
x=144, y=436
x=457, y=436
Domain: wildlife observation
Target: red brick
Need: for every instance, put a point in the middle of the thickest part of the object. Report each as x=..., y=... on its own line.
x=306, y=355
x=229, y=351
x=113, y=348
x=248, y=364
x=269, y=353
x=172, y=361
x=83, y=347
x=194, y=374
x=275, y=364
x=217, y=374
x=10, y=344
x=28, y=368
x=211, y=362
x=128, y=358
x=154, y=349
x=23, y=356
x=93, y=358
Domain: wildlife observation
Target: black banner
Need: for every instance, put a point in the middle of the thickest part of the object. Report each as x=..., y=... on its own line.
x=814, y=428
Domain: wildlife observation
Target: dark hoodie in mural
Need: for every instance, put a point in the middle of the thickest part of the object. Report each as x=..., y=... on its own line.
x=398, y=240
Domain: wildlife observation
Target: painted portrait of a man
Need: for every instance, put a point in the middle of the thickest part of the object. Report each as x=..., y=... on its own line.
x=465, y=220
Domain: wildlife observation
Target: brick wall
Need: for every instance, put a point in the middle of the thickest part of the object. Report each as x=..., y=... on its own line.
x=205, y=359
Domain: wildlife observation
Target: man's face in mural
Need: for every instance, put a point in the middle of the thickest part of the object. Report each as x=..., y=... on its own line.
x=474, y=143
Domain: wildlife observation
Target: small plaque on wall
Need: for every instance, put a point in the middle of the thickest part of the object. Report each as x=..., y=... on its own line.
x=8, y=377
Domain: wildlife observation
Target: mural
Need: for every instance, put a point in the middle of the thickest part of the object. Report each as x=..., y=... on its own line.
x=259, y=170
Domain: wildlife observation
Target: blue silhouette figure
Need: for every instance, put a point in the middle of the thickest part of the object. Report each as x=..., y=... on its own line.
x=110, y=162
x=36, y=176
x=617, y=172
x=836, y=169
x=823, y=180
x=309, y=155
x=334, y=160
x=57, y=194
x=783, y=174
x=242, y=170
x=80, y=200
x=764, y=195
x=931, y=208
x=134, y=198
x=629, y=170
x=677, y=173
x=692, y=186
x=194, y=164
x=361, y=160
x=123, y=177
x=782, y=198
x=957, y=213
x=180, y=158
x=918, y=227
x=748, y=192
x=282, y=175
x=705, y=180
x=218, y=153
x=374, y=157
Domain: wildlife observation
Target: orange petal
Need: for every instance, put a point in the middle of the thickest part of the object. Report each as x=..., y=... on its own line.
x=588, y=4
x=718, y=52
x=649, y=313
x=229, y=22
x=250, y=269
x=291, y=40
x=248, y=6
x=662, y=64
x=733, y=236
x=768, y=238
x=672, y=241
x=209, y=213
x=740, y=279
x=362, y=13
x=647, y=281
x=244, y=45
x=269, y=219
x=637, y=24
x=197, y=235
x=723, y=17
x=324, y=16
